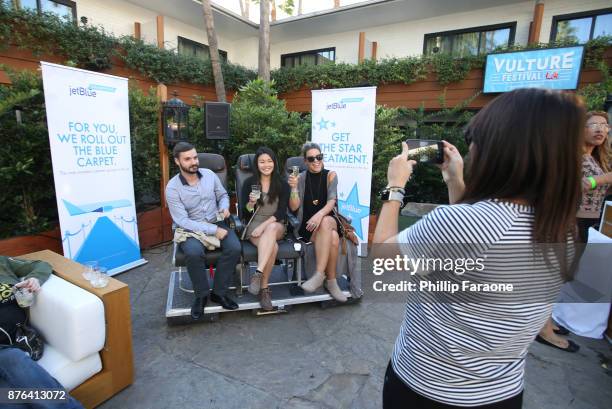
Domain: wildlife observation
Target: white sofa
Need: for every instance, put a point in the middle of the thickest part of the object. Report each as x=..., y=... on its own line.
x=72, y=322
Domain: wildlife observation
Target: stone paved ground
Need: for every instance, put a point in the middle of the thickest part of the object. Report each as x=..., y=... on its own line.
x=309, y=358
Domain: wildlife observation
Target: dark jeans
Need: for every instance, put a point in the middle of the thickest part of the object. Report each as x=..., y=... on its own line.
x=18, y=371
x=226, y=265
x=397, y=395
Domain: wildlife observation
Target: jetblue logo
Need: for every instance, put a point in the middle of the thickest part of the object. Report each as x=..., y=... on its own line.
x=81, y=91
x=342, y=103
x=91, y=90
x=336, y=105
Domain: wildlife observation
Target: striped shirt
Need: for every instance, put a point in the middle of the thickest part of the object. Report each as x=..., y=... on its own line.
x=469, y=349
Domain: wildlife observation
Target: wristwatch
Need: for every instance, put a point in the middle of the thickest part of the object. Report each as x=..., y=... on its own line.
x=394, y=193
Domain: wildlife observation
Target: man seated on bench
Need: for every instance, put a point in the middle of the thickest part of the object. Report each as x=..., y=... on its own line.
x=195, y=198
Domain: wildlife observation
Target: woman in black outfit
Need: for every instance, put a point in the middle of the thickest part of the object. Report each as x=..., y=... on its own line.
x=313, y=196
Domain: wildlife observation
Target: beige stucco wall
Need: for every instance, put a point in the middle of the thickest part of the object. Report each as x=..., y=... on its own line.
x=394, y=40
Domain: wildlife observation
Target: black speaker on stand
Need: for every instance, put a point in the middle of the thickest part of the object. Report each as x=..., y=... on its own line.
x=217, y=120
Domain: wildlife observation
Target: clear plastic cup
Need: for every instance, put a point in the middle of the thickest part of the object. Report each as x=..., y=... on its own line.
x=90, y=269
x=24, y=297
x=256, y=190
x=100, y=278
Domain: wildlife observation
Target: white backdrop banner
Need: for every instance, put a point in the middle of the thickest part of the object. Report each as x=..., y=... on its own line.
x=343, y=124
x=89, y=135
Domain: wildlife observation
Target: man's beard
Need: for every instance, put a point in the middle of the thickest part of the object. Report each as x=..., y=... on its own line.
x=188, y=170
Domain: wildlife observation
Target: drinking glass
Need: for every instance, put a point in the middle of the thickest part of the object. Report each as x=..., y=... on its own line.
x=295, y=171
x=24, y=297
x=256, y=190
x=90, y=269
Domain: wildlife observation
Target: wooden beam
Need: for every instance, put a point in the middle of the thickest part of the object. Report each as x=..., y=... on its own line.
x=361, y=54
x=137, y=34
x=160, y=31
x=536, y=25
x=374, y=49
x=164, y=163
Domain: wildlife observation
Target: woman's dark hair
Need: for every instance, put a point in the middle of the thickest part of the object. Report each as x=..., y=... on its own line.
x=527, y=144
x=275, y=181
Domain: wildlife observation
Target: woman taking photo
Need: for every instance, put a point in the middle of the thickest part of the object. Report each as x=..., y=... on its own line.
x=523, y=187
x=313, y=196
x=265, y=195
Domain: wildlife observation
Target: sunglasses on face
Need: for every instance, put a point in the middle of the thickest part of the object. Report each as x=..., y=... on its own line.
x=311, y=159
x=603, y=127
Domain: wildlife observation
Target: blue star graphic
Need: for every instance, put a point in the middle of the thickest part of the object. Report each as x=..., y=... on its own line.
x=353, y=209
x=322, y=123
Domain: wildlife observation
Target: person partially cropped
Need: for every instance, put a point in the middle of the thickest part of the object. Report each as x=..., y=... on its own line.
x=523, y=187
x=313, y=197
x=266, y=211
x=195, y=198
x=596, y=180
x=17, y=369
x=596, y=172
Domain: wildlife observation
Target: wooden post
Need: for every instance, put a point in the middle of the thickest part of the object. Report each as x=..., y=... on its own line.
x=374, y=49
x=164, y=164
x=137, y=34
x=362, y=39
x=536, y=25
x=160, y=31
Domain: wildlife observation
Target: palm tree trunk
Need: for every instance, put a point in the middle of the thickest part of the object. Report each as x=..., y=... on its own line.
x=264, y=40
x=213, y=48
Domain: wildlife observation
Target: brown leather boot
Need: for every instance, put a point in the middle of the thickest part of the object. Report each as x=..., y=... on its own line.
x=265, y=299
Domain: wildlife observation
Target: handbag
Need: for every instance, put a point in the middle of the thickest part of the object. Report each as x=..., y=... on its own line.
x=347, y=231
x=28, y=340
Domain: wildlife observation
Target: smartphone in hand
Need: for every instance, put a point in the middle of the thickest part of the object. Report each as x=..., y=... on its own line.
x=425, y=150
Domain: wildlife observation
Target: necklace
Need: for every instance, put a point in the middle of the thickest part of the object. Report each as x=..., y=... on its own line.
x=315, y=201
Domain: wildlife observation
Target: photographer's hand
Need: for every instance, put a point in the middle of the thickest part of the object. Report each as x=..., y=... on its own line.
x=398, y=173
x=452, y=172
x=400, y=168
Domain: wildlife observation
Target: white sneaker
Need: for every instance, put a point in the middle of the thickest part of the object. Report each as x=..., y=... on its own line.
x=334, y=289
x=313, y=283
